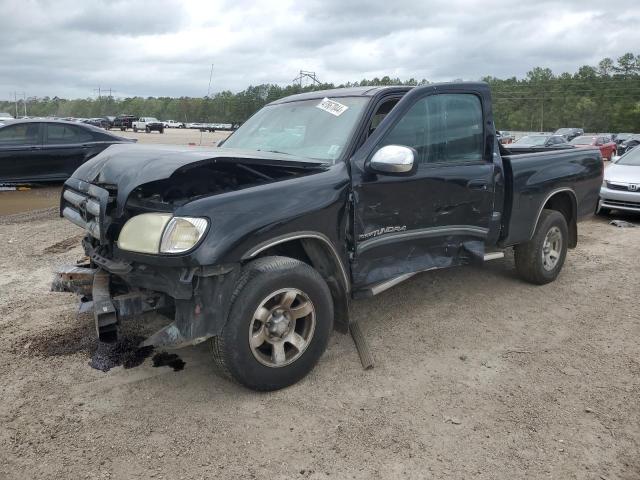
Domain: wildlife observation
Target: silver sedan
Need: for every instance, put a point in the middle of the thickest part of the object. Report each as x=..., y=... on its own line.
x=621, y=186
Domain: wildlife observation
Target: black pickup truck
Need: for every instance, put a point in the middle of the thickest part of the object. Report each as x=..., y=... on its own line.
x=319, y=198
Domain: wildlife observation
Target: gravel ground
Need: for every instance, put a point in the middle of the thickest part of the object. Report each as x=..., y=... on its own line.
x=478, y=375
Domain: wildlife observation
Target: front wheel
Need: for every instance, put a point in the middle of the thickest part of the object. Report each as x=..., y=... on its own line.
x=278, y=327
x=135, y=129
x=540, y=260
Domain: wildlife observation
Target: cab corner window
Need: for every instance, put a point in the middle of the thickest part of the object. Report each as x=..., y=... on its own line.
x=445, y=128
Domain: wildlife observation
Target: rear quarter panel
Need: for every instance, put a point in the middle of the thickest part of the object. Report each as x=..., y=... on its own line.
x=534, y=177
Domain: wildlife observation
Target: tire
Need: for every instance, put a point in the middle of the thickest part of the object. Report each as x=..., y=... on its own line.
x=161, y=130
x=135, y=129
x=531, y=263
x=147, y=130
x=264, y=285
x=122, y=129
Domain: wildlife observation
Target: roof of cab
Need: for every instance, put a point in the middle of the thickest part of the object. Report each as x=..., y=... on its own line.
x=342, y=92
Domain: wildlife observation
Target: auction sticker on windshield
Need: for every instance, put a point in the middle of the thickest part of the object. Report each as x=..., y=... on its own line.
x=331, y=106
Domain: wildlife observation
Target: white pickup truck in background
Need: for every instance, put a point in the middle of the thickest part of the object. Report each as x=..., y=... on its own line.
x=173, y=124
x=148, y=124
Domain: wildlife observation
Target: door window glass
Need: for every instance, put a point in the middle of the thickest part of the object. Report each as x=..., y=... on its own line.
x=60, y=134
x=442, y=128
x=20, y=134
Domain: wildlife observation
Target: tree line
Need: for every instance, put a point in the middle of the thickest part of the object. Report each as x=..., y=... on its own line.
x=602, y=98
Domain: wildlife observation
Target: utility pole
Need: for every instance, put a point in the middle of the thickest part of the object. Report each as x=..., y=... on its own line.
x=24, y=101
x=210, y=77
x=542, y=114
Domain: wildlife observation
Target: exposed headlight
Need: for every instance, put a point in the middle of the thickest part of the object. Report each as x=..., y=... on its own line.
x=161, y=233
x=182, y=234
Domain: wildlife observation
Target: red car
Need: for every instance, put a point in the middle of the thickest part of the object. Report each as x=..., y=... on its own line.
x=605, y=144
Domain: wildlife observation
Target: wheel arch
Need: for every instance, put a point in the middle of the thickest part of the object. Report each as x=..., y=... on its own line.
x=317, y=250
x=564, y=201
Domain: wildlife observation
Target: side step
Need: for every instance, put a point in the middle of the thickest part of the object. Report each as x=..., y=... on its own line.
x=387, y=284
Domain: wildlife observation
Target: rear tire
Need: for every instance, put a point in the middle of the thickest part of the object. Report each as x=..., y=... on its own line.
x=279, y=324
x=540, y=260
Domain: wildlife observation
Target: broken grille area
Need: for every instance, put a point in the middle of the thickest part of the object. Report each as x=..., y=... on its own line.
x=85, y=205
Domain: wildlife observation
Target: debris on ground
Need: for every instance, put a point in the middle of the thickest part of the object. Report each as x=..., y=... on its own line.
x=621, y=224
x=164, y=359
x=453, y=420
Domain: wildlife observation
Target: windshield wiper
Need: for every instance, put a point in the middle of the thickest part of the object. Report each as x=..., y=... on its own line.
x=273, y=151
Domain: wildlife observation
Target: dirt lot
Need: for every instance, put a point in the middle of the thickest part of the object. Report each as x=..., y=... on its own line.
x=478, y=375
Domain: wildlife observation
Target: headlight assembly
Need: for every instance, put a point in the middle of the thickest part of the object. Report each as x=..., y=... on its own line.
x=156, y=233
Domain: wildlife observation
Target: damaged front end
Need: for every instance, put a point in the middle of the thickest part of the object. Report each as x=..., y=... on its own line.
x=118, y=289
x=120, y=284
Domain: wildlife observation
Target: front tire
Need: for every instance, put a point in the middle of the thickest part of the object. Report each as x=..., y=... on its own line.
x=279, y=324
x=135, y=129
x=540, y=260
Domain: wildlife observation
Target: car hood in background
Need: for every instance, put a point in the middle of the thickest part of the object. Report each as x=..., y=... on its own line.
x=622, y=174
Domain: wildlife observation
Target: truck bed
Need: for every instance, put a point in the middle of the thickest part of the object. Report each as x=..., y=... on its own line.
x=535, y=177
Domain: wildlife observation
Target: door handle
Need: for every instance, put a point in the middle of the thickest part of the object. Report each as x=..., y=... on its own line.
x=478, y=184
x=35, y=148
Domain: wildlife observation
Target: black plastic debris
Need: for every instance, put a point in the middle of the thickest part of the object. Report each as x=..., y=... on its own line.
x=164, y=359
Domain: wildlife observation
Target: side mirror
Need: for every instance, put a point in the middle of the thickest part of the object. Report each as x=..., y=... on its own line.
x=393, y=159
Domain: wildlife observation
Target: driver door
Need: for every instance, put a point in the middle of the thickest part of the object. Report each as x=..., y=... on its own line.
x=440, y=214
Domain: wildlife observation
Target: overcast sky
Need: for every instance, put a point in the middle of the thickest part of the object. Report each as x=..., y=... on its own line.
x=166, y=47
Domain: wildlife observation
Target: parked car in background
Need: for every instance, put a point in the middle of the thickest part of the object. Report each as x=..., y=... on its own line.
x=621, y=186
x=99, y=122
x=504, y=137
x=569, y=133
x=621, y=137
x=172, y=124
x=123, y=122
x=532, y=143
x=49, y=150
x=628, y=144
x=607, y=146
x=5, y=117
x=148, y=124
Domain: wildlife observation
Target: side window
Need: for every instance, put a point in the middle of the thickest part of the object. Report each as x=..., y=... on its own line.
x=446, y=128
x=20, y=134
x=60, y=134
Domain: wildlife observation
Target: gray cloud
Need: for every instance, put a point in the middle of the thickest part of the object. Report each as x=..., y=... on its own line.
x=165, y=47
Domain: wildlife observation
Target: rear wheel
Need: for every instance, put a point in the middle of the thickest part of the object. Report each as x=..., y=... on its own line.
x=278, y=327
x=540, y=260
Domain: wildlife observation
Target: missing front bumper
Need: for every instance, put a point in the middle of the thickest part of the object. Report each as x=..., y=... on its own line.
x=93, y=286
x=113, y=298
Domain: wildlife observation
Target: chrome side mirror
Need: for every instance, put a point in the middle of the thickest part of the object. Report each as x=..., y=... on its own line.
x=393, y=159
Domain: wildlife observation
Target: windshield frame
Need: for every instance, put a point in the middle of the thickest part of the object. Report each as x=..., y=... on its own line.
x=350, y=141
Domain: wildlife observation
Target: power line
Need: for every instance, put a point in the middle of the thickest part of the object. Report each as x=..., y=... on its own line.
x=304, y=74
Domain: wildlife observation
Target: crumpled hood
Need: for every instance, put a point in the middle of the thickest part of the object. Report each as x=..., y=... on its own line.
x=129, y=165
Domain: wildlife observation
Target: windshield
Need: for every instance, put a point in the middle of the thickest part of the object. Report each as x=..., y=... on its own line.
x=583, y=140
x=306, y=128
x=533, y=140
x=632, y=158
x=562, y=131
